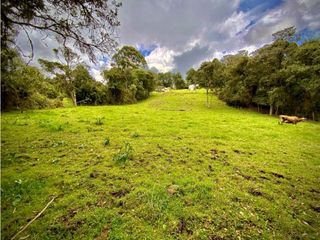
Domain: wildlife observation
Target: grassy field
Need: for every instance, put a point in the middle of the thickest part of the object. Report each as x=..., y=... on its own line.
x=165, y=168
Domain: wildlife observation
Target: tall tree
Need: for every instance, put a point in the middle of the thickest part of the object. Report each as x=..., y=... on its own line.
x=191, y=76
x=129, y=58
x=178, y=81
x=287, y=34
x=210, y=76
x=64, y=70
x=87, y=25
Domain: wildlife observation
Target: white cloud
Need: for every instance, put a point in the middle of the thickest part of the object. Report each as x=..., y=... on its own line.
x=96, y=73
x=162, y=59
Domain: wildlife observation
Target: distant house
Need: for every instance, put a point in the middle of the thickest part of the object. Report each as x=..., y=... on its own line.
x=193, y=87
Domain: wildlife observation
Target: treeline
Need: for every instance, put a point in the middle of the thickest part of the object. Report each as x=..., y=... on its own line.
x=128, y=80
x=282, y=78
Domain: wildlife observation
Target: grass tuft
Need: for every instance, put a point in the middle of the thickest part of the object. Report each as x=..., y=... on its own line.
x=124, y=154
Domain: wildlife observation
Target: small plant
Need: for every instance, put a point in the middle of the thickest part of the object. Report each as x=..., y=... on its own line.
x=135, y=135
x=99, y=121
x=17, y=195
x=125, y=153
x=106, y=142
x=58, y=127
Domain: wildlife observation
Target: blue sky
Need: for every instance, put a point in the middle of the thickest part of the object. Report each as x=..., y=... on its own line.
x=264, y=5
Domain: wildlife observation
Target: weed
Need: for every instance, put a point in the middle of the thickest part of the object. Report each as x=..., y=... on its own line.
x=99, y=121
x=135, y=135
x=58, y=128
x=106, y=142
x=125, y=153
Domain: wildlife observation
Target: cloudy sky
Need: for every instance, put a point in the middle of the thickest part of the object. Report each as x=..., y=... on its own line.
x=180, y=34
x=175, y=35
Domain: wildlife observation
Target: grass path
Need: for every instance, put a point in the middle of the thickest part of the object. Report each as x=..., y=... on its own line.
x=196, y=172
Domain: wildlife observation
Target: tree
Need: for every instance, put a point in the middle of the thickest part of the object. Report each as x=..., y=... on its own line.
x=88, y=90
x=191, y=76
x=178, y=81
x=129, y=58
x=144, y=81
x=287, y=34
x=64, y=71
x=210, y=76
x=24, y=86
x=120, y=86
x=165, y=79
x=87, y=25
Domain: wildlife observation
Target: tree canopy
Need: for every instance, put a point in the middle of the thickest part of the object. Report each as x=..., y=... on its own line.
x=87, y=25
x=281, y=77
x=128, y=58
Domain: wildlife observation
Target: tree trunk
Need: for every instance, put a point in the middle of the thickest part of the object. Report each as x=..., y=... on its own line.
x=207, y=97
x=313, y=116
x=73, y=97
x=277, y=108
x=271, y=110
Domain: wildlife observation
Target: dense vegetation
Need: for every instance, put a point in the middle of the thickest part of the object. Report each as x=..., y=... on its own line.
x=282, y=77
x=25, y=86
x=165, y=168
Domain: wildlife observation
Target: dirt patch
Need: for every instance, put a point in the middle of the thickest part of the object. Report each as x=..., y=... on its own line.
x=214, y=152
x=104, y=233
x=314, y=191
x=220, y=156
x=255, y=192
x=94, y=174
x=120, y=193
x=263, y=177
x=173, y=189
x=315, y=208
x=210, y=168
x=245, y=176
x=277, y=175
x=182, y=227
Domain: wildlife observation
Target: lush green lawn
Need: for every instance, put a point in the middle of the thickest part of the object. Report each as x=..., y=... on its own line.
x=196, y=172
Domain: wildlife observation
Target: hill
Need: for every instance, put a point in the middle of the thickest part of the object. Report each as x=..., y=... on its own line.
x=194, y=172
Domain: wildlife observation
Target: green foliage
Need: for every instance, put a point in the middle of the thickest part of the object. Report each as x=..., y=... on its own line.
x=128, y=86
x=129, y=58
x=165, y=79
x=99, y=121
x=191, y=76
x=87, y=27
x=23, y=86
x=88, y=91
x=106, y=142
x=173, y=80
x=283, y=77
x=124, y=154
x=144, y=81
x=178, y=81
x=64, y=73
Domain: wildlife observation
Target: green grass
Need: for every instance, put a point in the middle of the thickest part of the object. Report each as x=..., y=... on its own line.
x=191, y=172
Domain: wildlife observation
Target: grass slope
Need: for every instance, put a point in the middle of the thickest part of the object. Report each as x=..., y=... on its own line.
x=196, y=172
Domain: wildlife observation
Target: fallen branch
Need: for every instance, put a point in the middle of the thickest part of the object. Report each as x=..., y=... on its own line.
x=39, y=214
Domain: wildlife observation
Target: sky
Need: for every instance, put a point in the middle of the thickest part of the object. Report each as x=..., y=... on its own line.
x=175, y=35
